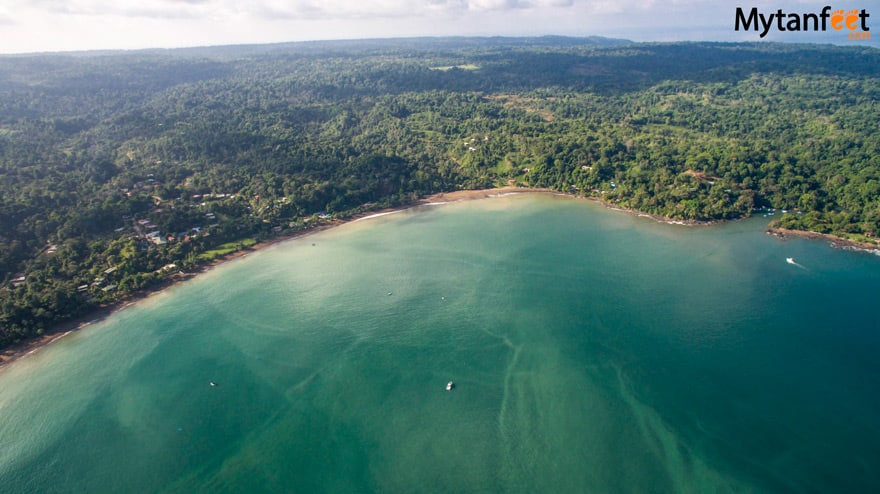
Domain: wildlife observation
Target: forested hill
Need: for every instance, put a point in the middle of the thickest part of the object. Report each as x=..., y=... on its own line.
x=116, y=166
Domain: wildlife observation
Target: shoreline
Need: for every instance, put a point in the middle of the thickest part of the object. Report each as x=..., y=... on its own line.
x=474, y=194
x=469, y=195
x=22, y=349
x=836, y=242
x=28, y=347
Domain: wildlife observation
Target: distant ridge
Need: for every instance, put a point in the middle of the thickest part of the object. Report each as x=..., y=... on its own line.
x=413, y=43
x=365, y=44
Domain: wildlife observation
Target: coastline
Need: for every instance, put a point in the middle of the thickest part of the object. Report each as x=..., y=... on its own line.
x=474, y=194
x=469, y=195
x=22, y=349
x=835, y=242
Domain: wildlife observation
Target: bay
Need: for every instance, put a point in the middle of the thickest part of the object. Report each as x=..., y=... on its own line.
x=592, y=351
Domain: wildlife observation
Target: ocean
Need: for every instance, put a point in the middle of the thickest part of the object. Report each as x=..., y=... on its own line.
x=591, y=351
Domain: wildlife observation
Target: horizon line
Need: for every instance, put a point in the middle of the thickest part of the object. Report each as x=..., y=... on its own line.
x=613, y=41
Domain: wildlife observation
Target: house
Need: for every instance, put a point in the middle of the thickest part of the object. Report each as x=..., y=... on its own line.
x=167, y=267
x=156, y=238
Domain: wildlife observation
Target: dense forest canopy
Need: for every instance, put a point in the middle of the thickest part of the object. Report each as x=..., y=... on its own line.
x=120, y=169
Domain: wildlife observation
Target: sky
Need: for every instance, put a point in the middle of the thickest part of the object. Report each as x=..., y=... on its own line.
x=28, y=26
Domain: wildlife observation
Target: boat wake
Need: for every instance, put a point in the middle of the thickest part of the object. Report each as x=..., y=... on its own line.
x=791, y=261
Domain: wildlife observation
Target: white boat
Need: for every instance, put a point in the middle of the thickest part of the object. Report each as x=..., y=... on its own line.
x=790, y=260
x=450, y=386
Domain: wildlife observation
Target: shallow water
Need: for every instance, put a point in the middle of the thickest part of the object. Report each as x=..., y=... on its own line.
x=593, y=351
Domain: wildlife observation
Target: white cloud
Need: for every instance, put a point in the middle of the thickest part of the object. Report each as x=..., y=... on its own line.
x=166, y=9
x=6, y=18
x=288, y=9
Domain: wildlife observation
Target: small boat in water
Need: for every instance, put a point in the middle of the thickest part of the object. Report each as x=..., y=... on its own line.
x=450, y=386
x=212, y=383
x=790, y=260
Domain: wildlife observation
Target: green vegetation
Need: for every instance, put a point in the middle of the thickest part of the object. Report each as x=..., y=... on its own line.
x=226, y=249
x=115, y=166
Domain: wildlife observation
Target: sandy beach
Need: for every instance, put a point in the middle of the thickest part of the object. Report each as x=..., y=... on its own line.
x=469, y=195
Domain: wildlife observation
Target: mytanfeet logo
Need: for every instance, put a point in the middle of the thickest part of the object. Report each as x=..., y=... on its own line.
x=853, y=22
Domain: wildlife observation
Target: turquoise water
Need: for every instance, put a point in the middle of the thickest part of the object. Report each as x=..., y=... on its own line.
x=593, y=351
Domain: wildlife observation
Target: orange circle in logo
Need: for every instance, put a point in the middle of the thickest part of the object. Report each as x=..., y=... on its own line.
x=837, y=20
